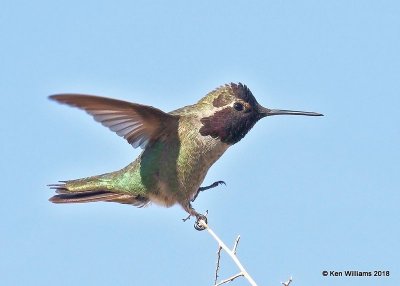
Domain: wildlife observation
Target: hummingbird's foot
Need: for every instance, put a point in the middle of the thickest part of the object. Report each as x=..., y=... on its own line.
x=197, y=225
x=186, y=218
x=201, y=189
x=199, y=217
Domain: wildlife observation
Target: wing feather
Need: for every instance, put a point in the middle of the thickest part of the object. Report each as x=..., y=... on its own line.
x=138, y=124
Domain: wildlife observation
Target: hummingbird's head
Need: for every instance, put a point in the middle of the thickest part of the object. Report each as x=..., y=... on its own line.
x=235, y=112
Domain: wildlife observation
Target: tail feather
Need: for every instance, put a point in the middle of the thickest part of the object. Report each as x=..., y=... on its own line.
x=83, y=197
x=92, y=190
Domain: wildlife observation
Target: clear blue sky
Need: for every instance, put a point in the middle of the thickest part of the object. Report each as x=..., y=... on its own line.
x=306, y=194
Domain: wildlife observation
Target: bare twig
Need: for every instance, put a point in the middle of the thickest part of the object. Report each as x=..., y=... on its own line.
x=287, y=283
x=217, y=267
x=230, y=279
x=218, y=263
x=231, y=253
x=236, y=244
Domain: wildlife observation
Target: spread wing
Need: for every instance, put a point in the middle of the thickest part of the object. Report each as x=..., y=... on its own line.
x=138, y=124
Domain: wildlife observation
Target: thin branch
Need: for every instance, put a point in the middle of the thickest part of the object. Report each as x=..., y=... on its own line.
x=218, y=260
x=230, y=279
x=287, y=283
x=236, y=244
x=243, y=271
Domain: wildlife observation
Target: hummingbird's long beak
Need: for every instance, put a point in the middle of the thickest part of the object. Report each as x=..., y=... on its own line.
x=269, y=112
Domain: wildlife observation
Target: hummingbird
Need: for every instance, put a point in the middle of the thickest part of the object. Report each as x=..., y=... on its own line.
x=179, y=146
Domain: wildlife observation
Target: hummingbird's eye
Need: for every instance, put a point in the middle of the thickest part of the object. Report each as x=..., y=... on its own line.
x=238, y=106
